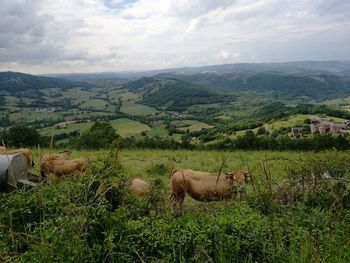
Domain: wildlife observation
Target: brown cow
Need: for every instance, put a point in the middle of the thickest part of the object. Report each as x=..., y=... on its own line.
x=138, y=187
x=63, y=167
x=25, y=151
x=56, y=156
x=201, y=186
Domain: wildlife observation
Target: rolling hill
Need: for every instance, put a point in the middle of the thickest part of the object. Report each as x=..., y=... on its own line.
x=173, y=94
x=15, y=83
x=284, y=86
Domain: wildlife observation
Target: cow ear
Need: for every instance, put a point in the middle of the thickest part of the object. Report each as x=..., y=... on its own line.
x=247, y=176
x=230, y=176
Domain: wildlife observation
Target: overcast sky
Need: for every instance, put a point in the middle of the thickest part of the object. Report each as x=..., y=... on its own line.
x=55, y=36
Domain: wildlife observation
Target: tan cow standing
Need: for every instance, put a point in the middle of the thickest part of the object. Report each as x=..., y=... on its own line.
x=25, y=151
x=203, y=186
x=64, y=167
x=138, y=187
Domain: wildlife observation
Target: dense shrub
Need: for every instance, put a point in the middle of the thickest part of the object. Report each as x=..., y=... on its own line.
x=23, y=136
x=159, y=169
x=100, y=135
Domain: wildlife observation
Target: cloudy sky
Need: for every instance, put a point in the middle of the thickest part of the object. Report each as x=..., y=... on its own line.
x=55, y=36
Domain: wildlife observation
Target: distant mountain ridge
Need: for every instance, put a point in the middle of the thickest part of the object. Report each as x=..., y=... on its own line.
x=16, y=82
x=303, y=81
x=283, y=67
x=295, y=67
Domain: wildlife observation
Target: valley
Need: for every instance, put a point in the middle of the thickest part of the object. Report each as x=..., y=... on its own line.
x=224, y=100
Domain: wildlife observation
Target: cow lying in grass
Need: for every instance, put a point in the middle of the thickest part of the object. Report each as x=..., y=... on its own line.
x=202, y=186
x=25, y=151
x=292, y=188
x=56, y=156
x=63, y=167
x=138, y=187
x=51, y=157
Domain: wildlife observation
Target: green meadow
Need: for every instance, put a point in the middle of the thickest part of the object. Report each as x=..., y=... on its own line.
x=133, y=108
x=90, y=216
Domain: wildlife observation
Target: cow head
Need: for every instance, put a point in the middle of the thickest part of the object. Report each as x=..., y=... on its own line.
x=230, y=177
x=241, y=177
x=43, y=170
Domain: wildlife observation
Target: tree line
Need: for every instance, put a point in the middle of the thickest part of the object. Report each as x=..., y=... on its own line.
x=102, y=134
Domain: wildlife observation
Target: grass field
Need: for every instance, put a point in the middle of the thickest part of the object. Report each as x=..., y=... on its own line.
x=11, y=101
x=191, y=125
x=78, y=94
x=129, y=96
x=2, y=114
x=224, y=117
x=28, y=115
x=339, y=101
x=126, y=127
x=95, y=104
x=160, y=131
x=291, y=121
x=133, y=108
x=66, y=128
x=136, y=162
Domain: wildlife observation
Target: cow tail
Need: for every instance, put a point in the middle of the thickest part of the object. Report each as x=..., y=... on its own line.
x=172, y=195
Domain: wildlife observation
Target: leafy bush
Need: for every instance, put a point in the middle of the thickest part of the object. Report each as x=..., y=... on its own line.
x=100, y=135
x=159, y=169
x=23, y=136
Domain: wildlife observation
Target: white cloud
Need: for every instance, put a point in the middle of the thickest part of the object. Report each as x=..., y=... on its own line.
x=42, y=36
x=224, y=54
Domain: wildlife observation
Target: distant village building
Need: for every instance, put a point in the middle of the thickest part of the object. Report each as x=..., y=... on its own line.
x=297, y=132
x=45, y=110
x=337, y=127
x=316, y=119
x=159, y=138
x=314, y=128
x=323, y=126
x=175, y=113
x=70, y=118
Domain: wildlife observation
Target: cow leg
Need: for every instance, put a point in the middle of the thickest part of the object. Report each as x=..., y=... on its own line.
x=177, y=200
x=181, y=202
x=174, y=204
